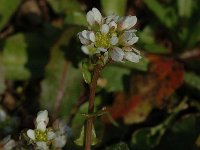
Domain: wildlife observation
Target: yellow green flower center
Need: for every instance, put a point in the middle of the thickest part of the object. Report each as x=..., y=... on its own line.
x=40, y=135
x=102, y=40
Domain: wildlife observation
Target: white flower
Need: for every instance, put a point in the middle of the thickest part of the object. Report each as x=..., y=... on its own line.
x=86, y=37
x=42, y=116
x=112, y=37
x=94, y=17
x=41, y=135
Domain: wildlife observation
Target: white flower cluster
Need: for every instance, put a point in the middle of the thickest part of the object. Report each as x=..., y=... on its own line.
x=42, y=136
x=112, y=36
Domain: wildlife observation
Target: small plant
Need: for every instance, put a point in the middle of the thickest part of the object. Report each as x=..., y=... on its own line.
x=108, y=39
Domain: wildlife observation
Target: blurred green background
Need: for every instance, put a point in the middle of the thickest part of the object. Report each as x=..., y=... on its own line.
x=156, y=102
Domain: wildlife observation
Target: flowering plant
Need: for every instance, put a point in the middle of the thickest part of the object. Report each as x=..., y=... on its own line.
x=43, y=137
x=112, y=37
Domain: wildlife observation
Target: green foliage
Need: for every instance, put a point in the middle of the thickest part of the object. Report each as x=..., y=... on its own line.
x=185, y=7
x=117, y=7
x=7, y=8
x=60, y=72
x=42, y=67
x=114, y=76
x=15, y=57
x=87, y=76
x=166, y=15
x=94, y=139
x=119, y=146
x=192, y=79
x=149, y=43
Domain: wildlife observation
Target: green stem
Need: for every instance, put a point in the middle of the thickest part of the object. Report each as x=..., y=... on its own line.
x=89, y=122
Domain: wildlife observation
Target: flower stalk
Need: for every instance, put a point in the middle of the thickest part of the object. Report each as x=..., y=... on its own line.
x=89, y=122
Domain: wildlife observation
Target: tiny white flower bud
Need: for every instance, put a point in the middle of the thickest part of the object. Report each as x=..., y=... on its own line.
x=104, y=28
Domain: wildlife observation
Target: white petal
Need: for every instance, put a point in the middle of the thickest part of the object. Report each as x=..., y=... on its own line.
x=41, y=126
x=112, y=25
x=90, y=18
x=42, y=116
x=114, y=40
x=85, y=49
x=104, y=28
x=84, y=41
x=84, y=33
x=51, y=135
x=31, y=134
x=112, y=18
x=92, y=36
x=101, y=49
x=132, y=41
x=117, y=54
x=97, y=15
x=131, y=56
x=42, y=146
x=128, y=22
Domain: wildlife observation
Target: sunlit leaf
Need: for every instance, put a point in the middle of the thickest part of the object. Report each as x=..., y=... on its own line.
x=117, y=7
x=185, y=7
x=115, y=76
x=15, y=57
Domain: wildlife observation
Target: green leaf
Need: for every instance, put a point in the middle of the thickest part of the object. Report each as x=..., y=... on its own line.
x=7, y=9
x=2, y=77
x=186, y=8
x=183, y=134
x=15, y=57
x=114, y=76
x=167, y=15
x=147, y=138
x=142, y=65
x=75, y=17
x=87, y=76
x=119, y=146
x=192, y=79
x=117, y=7
x=71, y=9
x=147, y=41
x=64, y=6
x=80, y=140
x=61, y=76
x=94, y=139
